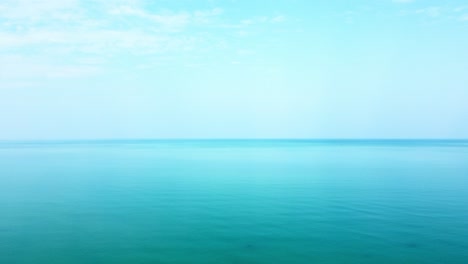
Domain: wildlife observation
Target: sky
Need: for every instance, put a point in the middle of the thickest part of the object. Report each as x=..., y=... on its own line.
x=83, y=69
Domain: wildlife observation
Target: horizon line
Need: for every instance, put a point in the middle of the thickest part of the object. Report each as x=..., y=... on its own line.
x=229, y=139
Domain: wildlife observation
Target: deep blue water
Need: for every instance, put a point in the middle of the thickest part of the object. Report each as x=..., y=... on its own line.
x=234, y=201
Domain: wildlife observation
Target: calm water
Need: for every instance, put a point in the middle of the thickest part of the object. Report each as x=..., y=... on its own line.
x=234, y=202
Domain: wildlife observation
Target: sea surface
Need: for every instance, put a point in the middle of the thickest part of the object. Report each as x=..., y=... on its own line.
x=234, y=201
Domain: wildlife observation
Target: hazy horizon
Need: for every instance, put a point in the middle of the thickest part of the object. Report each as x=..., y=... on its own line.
x=312, y=140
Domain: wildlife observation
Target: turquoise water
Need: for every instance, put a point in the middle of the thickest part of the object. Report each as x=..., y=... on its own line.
x=234, y=202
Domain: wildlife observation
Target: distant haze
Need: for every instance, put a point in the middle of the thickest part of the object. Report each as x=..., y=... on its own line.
x=79, y=69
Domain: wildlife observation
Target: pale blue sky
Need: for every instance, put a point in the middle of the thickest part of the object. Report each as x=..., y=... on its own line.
x=78, y=69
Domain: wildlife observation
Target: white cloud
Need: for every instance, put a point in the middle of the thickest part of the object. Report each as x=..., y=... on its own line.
x=96, y=41
x=99, y=31
x=445, y=13
x=432, y=11
x=170, y=20
x=403, y=1
x=35, y=10
x=205, y=16
x=263, y=19
x=245, y=52
x=278, y=19
x=31, y=24
x=17, y=67
x=34, y=29
x=460, y=8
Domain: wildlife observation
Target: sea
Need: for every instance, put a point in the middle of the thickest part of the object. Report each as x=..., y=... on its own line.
x=234, y=201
